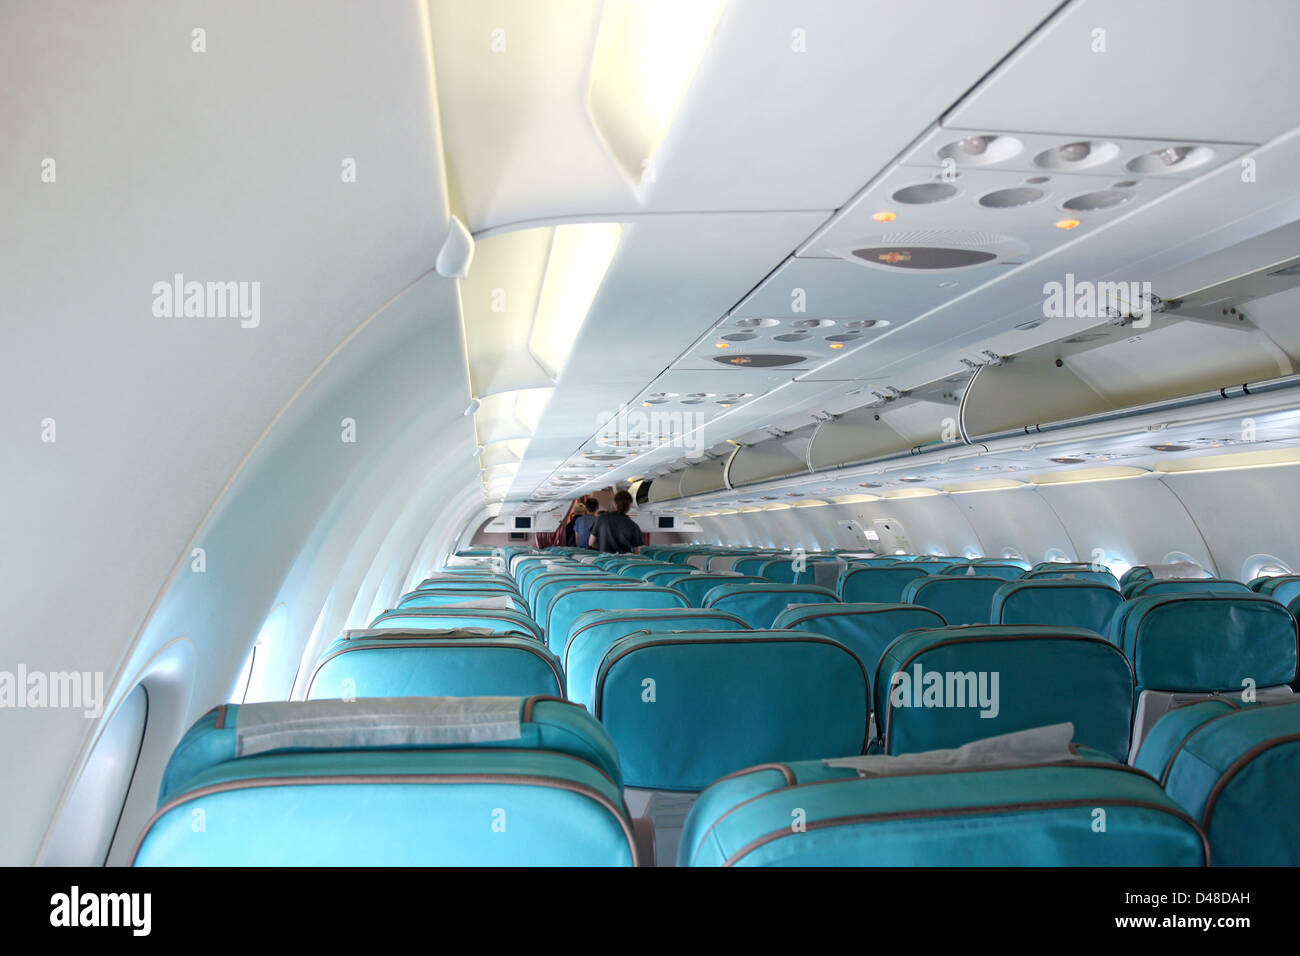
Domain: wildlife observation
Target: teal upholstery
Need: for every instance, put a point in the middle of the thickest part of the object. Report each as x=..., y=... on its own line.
x=1056, y=602
x=1015, y=816
x=759, y=604
x=1139, y=589
x=686, y=708
x=1080, y=574
x=876, y=585
x=695, y=586
x=546, y=793
x=454, y=663
x=1235, y=768
x=865, y=629
x=594, y=632
x=440, y=598
x=568, y=604
x=435, y=619
x=961, y=599
x=953, y=685
x=1206, y=642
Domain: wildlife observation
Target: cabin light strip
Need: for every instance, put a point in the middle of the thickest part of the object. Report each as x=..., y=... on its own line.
x=645, y=57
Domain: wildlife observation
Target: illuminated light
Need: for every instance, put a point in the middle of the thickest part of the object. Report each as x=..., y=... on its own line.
x=911, y=493
x=1086, y=474
x=722, y=345
x=1067, y=224
x=646, y=55
x=1234, y=461
x=987, y=484
x=885, y=216
x=837, y=345
x=853, y=499
x=579, y=257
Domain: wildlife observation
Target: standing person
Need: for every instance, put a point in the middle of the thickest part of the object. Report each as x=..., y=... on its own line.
x=582, y=527
x=615, y=532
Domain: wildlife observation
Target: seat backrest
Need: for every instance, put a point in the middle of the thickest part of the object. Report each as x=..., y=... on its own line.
x=865, y=629
x=695, y=586
x=961, y=599
x=1281, y=587
x=932, y=565
x=875, y=585
x=393, y=782
x=936, y=816
x=594, y=632
x=435, y=619
x=463, y=598
x=759, y=604
x=1184, y=586
x=667, y=577
x=750, y=564
x=1056, y=601
x=1007, y=572
x=686, y=708
x=1079, y=574
x=1206, y=642
x=546, y=587
x=459, y=662
x=783, y=571
x=566, y=605
x=949, y=686
x=1235, y=768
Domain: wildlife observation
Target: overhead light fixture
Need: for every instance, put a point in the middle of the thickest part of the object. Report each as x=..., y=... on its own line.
x=646, y=55
x=1067, y=224
x=580, y=255
x=885, y=216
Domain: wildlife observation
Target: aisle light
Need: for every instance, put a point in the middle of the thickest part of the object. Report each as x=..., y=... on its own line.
x=579, y=257
x=646, y=54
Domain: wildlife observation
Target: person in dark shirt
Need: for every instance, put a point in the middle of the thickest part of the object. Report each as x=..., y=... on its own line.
x=585, y=522
x=615, y=532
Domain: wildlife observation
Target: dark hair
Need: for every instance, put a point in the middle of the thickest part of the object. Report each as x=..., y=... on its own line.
x=592, y=505
x=622, y=502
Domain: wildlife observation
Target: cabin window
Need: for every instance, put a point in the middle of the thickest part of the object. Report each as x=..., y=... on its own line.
x=1012, y=554
x=1057, y=555
x=249, y=685
x=1263, y=566
x=88, y=823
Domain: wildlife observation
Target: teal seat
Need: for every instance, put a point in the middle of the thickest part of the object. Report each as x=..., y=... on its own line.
x=865, y=629
x=466, y=598
x=1184, y=586
x=961, y=599
x=435, y=619
x=1001, y=815
x=1052, y=602
x=462, y=662
x=1072, y=573
x=594, y=632
x=545, y=587
x=695, y=586
x=933, y=565
x=1235, y=769
x=875, y=585
x=403, y=782
x=566, y=605
x=1284, y=588
x=759, y=604
x=949, y=686
x=1206, y=642
x=686, y=708
x=1007, y=572
x=782, y=571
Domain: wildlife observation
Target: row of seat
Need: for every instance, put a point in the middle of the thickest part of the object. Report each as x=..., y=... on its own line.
x=686, y=696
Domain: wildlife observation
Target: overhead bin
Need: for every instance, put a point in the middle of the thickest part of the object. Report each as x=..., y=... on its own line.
x=665, y=488
x=854, y=436
x=702, y=478
x=777, y=458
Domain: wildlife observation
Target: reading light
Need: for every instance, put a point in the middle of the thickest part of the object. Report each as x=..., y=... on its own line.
x=646, y=54
x=885, y=216
x=579, y=257
x=1067, y=224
